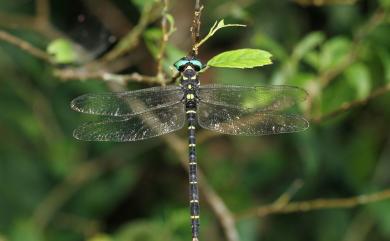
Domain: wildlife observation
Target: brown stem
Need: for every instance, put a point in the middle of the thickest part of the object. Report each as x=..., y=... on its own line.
x=24, y=45
x=316, y=204
x=349, y=105
x=164, y=39
x=195, y=28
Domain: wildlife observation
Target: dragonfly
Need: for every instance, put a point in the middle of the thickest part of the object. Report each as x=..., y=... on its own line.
x=228, y=109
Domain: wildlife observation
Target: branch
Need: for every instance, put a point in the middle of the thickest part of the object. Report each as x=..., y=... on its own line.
x=26, y=46
x=2, y=238
x=324, y=2
x=316, y=204
x=349, y=105
x=42, y=11
x=36, y=23
x=195, y=28
x=164, y=38
x=122, y=79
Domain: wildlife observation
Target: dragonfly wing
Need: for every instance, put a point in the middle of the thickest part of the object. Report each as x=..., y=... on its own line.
x=135, y=127
x=235, y=121
x=264, y=98
x=128, y=102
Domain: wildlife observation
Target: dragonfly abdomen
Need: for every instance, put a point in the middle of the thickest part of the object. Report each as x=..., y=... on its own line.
x=193, y=176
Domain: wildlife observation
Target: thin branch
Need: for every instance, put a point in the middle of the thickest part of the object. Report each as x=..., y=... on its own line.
x=316, y=204
x=349, y=105
x=3, y=238
x=324, y=2
x=26, y=46
x=195, y=28
x=164, y=39
x=290, y=192
x=35, y=23
x=122, y=79
x=42, y=11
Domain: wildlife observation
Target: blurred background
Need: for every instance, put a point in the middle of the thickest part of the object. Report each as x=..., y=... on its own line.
x=53, y=187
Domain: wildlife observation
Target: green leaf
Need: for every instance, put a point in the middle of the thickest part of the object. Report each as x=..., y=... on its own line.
x=358, y=76
x=334, y=52
x=217, y=26
x=307, y=44
x=385, y=3
x=171, y=22
x=141, y=4
x=265, y=42
x=25, y=230
x=152, y=37
x=63, y=51
x=385, y=59
x=241, y=58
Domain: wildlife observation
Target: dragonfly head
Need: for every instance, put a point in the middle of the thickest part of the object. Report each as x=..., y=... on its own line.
x=182, y=64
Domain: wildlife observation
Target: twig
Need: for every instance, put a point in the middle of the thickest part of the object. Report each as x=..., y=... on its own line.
x=195, y=28
x=164, y=39
x=42, y=11
x=360, y=227
x=316, y=204
x=40, y=22
x=290, y=192
x=26, y=46
x=349, y=105
x=324, y=2
x=86, y=73
x=3, y=238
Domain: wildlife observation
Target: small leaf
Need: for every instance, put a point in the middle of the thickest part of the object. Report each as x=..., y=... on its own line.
x=171, y=22
x=333, y=52
x=63, y=51
x=307, y=44
x=217, y=26
x=265, y=42
x=152, y=37
x=141, y=4
x=241, y=58
x=359, y=78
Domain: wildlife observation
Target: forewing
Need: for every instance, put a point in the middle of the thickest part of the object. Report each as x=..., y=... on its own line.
x=128, y=102
x=135, y=127
x=236, y=121
x=263, y=98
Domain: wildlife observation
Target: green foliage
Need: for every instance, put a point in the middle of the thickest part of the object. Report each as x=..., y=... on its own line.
x=241, y=58
x=141, y=4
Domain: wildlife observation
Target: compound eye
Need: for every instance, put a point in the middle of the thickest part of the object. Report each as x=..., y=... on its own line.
x=180, y=64
x=197, y=65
